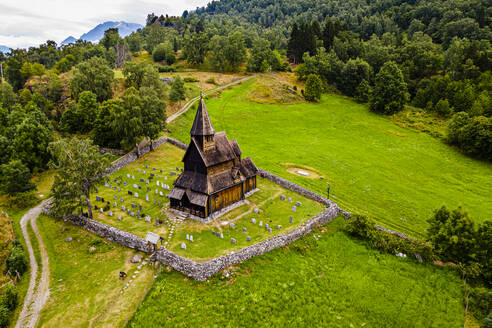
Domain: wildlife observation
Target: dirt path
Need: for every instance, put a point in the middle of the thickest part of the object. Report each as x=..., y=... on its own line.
x=38, y=291
x=209, y=92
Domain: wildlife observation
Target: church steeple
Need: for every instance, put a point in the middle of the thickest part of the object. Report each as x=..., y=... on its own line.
x=202, y=129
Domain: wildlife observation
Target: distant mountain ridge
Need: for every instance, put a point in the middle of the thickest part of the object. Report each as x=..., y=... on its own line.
x=4, y=49
x=97, y=33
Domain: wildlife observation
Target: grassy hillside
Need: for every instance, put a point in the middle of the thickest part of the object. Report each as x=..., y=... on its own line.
x=326, y=279
x=398, y=175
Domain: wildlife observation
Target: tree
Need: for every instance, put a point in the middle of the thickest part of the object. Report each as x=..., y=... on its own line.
x=135, y=41
x=164, y=51
x=55, y=88
x=235, y=50
x=7, y=96
x=80, y=167
x=127, y=121
x=13, y=73
x=133, y=73
x=390, y=90
x=153, y=114
x=104, y=135
x=314, y=88
x=93, y=75
x=442, y=108
x=111, y=38
x=363, y=92
x=353, y=73
x=195, y=48
x=17, y=262
x=15, y=178
x=177, y=90
x=87, y=108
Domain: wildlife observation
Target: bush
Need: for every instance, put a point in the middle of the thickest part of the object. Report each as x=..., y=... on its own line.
x=211, y=81
x=480, y=301
x=487, y=322
x=314, y=88
x=164, y=51
x=17, y=262
x=10, y=298
x=177, y=90
x=165, y=69
x=4, y=316
x=190, y=79
x=23, y=200
x=442, y=108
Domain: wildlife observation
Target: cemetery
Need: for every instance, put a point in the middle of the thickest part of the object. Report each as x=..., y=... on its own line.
x=138, y=203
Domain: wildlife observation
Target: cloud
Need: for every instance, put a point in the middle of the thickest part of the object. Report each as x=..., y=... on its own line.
x=32, y=22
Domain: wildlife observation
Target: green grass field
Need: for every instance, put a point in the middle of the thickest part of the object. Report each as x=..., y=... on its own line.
x=397, y=175
x=271, y=210
x=326, y=279
x=85, y=290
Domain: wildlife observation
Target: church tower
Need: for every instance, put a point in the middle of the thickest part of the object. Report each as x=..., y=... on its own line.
x=202, y=130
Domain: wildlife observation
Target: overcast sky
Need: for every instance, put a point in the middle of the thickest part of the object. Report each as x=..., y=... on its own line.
x=25, y=23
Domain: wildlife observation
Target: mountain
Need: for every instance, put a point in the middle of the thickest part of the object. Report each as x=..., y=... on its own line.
x=68, y=40
x=97, y=33
x=4, y=49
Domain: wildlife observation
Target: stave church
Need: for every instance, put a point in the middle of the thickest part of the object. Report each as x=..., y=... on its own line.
x=215, y=176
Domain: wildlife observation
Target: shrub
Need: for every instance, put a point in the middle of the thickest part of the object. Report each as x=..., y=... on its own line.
x=487, y=322
x=190, y=79
x=165, y=69
x=177, y=90
x=17, y=262
x=314, y=88
x=4, y=316
x=442, y=108
x=480, y=301
x=211, y=81
x=10, y=298
x=23, y=200
x=164, y=51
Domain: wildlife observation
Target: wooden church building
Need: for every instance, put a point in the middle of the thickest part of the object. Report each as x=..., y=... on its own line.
x=215, y=176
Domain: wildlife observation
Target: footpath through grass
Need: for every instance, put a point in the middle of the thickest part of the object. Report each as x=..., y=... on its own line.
x=326, y=279
x=397, y=175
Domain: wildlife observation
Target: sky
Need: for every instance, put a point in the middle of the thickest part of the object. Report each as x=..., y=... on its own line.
x=26, y=23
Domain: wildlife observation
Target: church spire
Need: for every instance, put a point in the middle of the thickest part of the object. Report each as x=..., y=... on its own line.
x=202, y=126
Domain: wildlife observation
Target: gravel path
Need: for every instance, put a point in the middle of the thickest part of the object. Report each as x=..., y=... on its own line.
x=38, y=291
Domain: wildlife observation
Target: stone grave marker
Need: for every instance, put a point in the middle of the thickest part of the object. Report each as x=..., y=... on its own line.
x=115, y=197
x=115, y=204
x=135, y=186
x=148, y=188
x=244, y=230
x=233, y=226
x=146, y=166
x=141, y=180
x=298, y=204
x=160, y=171
x=119, y=189
x=152, y=174
x=278, y=227
x=248, y=238
x=119, y=217
x=266, y=225
x=183, y=246
x=165, y=178
x=133, y=177
x=100, y=209
x=136, y=194
x=187, y=237
x=133, y=205
x=121, y=199
x=156, y=191
x=148, y=219
x=213, y=232
x=128, y=175
x=139, y=187
x=261, y=223
x=173, y=173
x=124, y=183
x=191, y=238
x=147, y=181
x=290, y=200
x=291, y=220
x=256, y=211
x=138, y=170
x=233, y=240
x=139, y=207
x=160, y=193
x=97, y=190
x=130, y=193
x=157, y=221
x=253, y=220
x=221, y=235
x=98, y=198
x=270, y=230
x=294, y=208
x=147, y=197
x=110, y=213
x=282, y=197
x=123, y=208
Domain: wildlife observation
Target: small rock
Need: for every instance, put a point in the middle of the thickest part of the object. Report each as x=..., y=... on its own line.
x=69, y=239
x=136, y=258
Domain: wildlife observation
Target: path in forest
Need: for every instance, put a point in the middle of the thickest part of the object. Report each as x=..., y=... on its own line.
x=38, y=291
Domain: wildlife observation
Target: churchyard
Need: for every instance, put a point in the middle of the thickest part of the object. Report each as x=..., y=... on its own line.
x=134, y=200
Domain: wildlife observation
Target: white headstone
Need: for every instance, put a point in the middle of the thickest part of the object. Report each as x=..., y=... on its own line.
x=187, y=237
x=191, y=237
x=261, y=223
x=183, y=246
x=110, y=213
x=136, y=194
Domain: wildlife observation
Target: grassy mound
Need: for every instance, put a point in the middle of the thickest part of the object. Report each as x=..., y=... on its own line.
x=396, y=174
x=326, y=279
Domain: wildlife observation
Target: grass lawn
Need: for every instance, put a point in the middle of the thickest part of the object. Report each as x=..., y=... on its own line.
x=85, y=290
x=373, y=166
x=326, y=279
x=271, y=210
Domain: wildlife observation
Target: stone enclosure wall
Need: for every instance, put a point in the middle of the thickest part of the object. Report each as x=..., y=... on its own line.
x=202, y=271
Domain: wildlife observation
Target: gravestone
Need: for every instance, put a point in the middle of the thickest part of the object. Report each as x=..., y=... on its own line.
x=133, y=177
x=173, y=173
x=119, y=217
x=278, y=227
x=233, y=226
x=96, y=207
x=138, y=170
x=248, y=238
x=133, y=205
x=102, y=200
x=221, y=235
x=123, y=208
x=152, y=174
x=233, y=240
x=130, y=193
x=157, y=221
x=187, y=237
x=253, y=220
x=244, y=230
x=135, y=186
x=183, y=246
x=270, y=230
x=136, y=194
x=160, y=193
x=128, y=175
x=160, y=171
x=148, y=188
x=158, y=183
x=115, y=197
x=139, y=187
x=153, y=168
x=110, y=213
x=121, y=199
x=291, y=220
x=97, y=190
x=124, y=183
x=146, y=166
x=298, y=204
x=147, y=181
x=138, y=213
x=290, y=200
x=115, y=204
x=100, y=209
x=139, y=207
x=191, y=238
x=256, y=211
x=261, y=223
x=213, y=232
x=119, y=189
x=141, y=180
x=98, y=198
x=148, y=219
x=282, y=197
x=165, y=178
x=294, y=208
x=147, y=197
x=156, y=191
